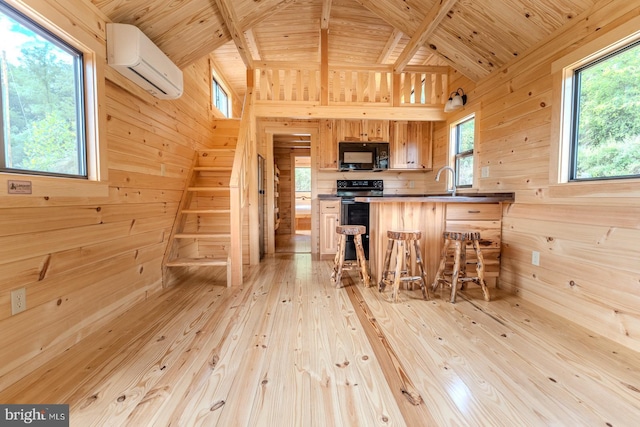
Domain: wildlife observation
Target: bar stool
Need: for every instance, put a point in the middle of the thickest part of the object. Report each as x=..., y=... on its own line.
x=339, y=263
x=459, y=273
x=405, y=241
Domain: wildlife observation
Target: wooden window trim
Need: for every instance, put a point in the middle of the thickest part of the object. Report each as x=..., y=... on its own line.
x=560, y=142
x=92, y=43
x=461, y=117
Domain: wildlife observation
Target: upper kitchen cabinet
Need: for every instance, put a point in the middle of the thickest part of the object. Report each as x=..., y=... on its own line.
x=362, y=130
x=411, y=145
x=328, y=147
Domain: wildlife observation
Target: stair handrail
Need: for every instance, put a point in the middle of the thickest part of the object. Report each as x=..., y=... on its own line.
x=239, y=187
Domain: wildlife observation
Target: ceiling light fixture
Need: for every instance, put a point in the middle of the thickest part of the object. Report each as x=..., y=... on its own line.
x=456, y=100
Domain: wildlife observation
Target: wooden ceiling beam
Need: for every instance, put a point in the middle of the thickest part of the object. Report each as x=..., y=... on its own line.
x=253, y=44
x=326, y=13
x=389, y=47
x=228, y=15
x=422, y=34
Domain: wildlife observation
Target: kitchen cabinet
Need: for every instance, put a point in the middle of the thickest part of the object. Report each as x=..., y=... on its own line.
x=411, y=145
x=328, y=149
x=362, y=130
x=329, y=219
x=433, y=218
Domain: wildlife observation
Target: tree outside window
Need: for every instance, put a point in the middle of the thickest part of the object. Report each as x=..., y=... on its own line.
x=303, y=179
x=41, y=87
x=463, y=137
x=606, y=117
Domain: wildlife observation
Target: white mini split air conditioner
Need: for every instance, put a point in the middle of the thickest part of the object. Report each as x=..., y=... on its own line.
x=133, y=55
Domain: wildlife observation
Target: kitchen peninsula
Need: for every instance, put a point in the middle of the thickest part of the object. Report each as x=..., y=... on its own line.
x=434, y=214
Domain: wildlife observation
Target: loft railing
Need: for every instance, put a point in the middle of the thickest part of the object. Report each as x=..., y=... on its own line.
x=350, y=85
x=239, y=188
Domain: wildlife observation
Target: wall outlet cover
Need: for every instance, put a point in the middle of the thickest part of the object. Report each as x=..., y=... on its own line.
x=18, y=301
x=535, y=258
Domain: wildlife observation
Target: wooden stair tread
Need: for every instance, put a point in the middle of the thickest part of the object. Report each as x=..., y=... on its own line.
x=205, y=211
x=200, y=262
x=216, y=150
x=213, y=168
x=201, y=235
x=208, y=188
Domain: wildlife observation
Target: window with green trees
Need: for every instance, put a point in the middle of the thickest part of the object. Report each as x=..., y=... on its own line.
x=303, y=179
x=41, y=87
x=463, y=137
x=606, y=117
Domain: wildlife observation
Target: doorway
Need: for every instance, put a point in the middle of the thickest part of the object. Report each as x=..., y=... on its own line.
x=292, y=158
x=302, y=194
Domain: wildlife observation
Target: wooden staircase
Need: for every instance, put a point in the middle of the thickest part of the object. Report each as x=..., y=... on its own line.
x=201, y=233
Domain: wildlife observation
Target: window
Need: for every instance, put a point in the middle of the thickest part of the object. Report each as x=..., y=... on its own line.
x=220, y=98
x=303, y=179
x=42, y=92
x=462, y=142
x=605, y=117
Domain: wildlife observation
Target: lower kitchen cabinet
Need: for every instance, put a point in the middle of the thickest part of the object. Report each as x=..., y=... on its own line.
x=329, y=219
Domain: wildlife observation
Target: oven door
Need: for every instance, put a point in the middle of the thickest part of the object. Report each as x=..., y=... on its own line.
x=355, y=213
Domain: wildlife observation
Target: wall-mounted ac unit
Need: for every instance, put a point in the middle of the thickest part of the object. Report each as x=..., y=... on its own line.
x=133, y=55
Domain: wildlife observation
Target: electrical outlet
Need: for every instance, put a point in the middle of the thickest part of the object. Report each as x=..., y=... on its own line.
x=535, y=258
x=412, y=184
x=18, y=301
x=485, y=171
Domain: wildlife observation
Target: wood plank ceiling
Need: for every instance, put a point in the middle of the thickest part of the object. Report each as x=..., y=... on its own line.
x=474, y=37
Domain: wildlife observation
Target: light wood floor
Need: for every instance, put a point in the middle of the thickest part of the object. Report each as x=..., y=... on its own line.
x=299, y=242
x=287, y=349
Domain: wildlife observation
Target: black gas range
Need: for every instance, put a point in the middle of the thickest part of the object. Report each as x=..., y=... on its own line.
x=357, y=213
x=351, y=188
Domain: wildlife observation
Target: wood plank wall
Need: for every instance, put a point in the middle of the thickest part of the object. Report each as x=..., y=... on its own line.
x=282, y=157
x=84, y=260
x=588, y=237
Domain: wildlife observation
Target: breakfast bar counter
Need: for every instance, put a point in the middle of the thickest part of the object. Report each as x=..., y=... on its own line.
x=432, y=215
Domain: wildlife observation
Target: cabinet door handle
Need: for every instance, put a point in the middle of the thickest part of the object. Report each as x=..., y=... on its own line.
x=472, y=212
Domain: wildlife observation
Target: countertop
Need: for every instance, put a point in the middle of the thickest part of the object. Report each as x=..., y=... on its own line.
x=441, y=198
x=328, y=196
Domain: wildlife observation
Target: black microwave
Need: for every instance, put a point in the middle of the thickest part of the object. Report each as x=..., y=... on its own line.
x=363, y=156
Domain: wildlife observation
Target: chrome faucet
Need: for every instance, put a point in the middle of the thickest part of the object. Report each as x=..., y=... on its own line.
x=453, y=178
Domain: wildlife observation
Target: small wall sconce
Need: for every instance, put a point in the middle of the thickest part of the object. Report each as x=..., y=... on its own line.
x=456, y=100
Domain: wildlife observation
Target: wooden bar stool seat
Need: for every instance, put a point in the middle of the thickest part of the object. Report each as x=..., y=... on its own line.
x=360, y=263
x=405, y=241
x=458, y=243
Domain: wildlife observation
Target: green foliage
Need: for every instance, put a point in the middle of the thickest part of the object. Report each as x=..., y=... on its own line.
x=609, y=117
x=303, y=179
x=43, y=128
x=52, y=147
x=467, y=135
x=608, y=159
